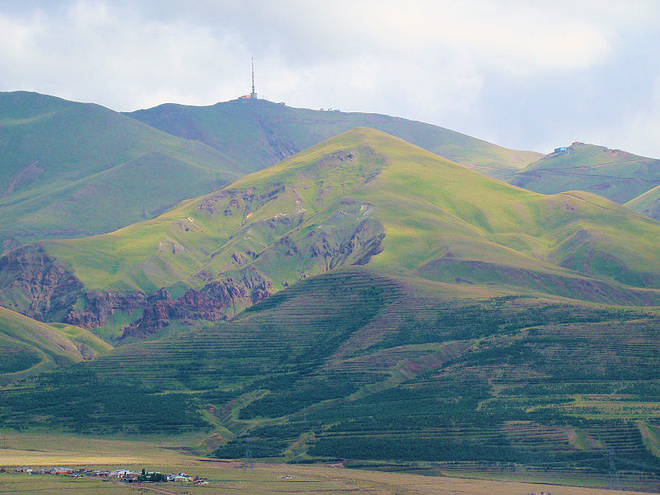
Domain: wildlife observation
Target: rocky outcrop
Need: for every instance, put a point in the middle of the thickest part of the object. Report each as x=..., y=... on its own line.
x=36, y=284
x=231, y=202
x=99, y=306
x=213, y=302
x=357, y=248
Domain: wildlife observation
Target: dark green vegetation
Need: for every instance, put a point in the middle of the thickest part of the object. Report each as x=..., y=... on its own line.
x=365, y=299
x=355, y=365
x=613, y=174
x=78, y=400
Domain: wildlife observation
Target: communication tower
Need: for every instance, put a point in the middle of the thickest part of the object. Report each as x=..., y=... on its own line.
x=253, y=95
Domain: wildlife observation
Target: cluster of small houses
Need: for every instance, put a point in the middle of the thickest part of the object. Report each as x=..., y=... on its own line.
x=123, y=475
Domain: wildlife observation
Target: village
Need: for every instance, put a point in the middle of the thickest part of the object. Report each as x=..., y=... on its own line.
x=118, y=475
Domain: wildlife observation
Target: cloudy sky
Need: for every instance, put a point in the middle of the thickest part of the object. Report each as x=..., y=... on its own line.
x=524, y=74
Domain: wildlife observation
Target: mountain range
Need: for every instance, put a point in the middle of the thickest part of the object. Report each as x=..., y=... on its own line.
x=75, y=169
x=366, y=298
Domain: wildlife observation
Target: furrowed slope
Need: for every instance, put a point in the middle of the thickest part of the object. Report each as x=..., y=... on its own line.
x=73, y=169
x=28, y=347
x=614, y=174
x=363, y=197
x=352, y=364
x=259, y=133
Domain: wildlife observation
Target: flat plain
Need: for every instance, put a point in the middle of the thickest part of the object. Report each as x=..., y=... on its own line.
x=234, y=477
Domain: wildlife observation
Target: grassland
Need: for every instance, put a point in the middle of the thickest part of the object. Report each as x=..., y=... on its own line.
x=231, y=477
x=439, y=221
x=73, y=169
x=352, y=365
x=647, y=203
x=614, y=174
x=28, y=347
x=421, y=313
x=259, y=133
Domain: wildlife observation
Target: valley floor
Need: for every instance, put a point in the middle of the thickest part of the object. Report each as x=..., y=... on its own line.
x=30, y=449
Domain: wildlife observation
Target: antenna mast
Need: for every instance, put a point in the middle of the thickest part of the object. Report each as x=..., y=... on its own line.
x=253, y=95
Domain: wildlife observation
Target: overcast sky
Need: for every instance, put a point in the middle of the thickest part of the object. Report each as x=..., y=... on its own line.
x=523, y=74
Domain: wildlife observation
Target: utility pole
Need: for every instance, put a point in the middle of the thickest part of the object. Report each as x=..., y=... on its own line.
x=613, y=477
x=248, y=454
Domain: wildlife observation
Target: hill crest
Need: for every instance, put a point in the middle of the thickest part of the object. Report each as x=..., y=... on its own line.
x=362, y=197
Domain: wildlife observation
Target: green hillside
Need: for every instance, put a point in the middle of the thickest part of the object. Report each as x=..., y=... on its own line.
x=424, y=209
x=257, y=133
x=363, y=197
x=364, y=300
x=647, y=204
x=354, y=365
x=75, y=169
x=28, y=347
x=614, y=174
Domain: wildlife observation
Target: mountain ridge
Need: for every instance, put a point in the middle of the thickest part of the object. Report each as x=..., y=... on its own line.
x=612, y=173
x=74, y=169
x=359, y=296
x=276, y=129
x=363, y=197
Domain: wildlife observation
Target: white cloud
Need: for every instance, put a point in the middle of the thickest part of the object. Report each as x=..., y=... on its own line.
x=432, y=60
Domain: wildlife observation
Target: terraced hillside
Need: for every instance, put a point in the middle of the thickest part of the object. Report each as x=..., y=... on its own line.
x=613, y=174
x=259, y=133
x=363, y=197
x=364, y=300
x=75, y=169
x=356, y=365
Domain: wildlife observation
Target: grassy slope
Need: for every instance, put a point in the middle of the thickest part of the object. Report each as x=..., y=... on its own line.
x=73, y=169
x=614, y=174
x=382, y=362
x=353, y=364
x=648, y=203
x=28, y=346
x=434, y=213
x=259, y=133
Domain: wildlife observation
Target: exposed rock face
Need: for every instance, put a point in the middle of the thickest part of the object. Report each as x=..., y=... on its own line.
x=355, y=249
x=37, y=285
x=211, y=302
x=8, y=245
x=101, y=305
x=238, y=201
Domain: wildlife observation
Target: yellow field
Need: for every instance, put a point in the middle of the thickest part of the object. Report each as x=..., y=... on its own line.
x=224, y=477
